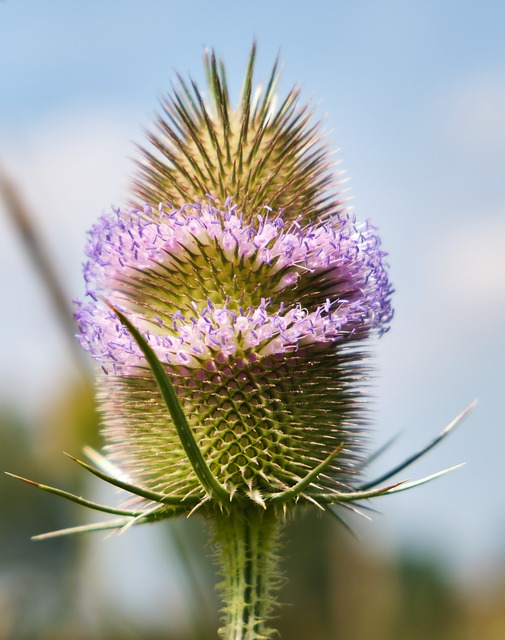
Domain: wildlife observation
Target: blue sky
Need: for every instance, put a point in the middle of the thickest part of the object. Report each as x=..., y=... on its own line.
x=413, y=95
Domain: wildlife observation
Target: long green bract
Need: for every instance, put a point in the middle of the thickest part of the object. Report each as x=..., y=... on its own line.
x=202, y=471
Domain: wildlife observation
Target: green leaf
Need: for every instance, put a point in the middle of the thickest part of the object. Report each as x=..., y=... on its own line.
x=342, y=522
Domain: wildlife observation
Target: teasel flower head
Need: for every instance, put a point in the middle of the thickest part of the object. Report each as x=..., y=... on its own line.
x=257, y=324
x=231, y=307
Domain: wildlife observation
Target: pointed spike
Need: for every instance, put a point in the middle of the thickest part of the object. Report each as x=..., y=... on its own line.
x=245, y=94
x=269, y=92
x=351, y=506
x=351, y=496
x=417, y=483
x=288, y=105
x=218, y=99
x=103, y=463
x=342, y=522
x=99, y=526
x=224, y=82
x=256, y=497
x=245, y=97
x=170, y=110
x=189, y=96
x=210, y=128
x=200, y=504
x=314, y=502
x=299, y=487
x=160, y=170
x=193, y=179
x=191, y=130
x=136, y=520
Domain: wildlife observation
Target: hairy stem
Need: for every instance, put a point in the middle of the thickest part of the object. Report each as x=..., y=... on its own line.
x=248, y=542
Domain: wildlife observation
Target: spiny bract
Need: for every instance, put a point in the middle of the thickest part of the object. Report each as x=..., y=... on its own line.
x=257, y=154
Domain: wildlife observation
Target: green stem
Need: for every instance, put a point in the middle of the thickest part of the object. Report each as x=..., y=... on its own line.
x=248, y=543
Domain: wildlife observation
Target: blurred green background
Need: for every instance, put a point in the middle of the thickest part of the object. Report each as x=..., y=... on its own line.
x=414, y=94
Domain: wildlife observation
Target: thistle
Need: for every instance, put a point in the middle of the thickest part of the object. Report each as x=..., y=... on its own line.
x=231, y=318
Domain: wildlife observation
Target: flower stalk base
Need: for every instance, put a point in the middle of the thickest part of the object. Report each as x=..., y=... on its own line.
x=248, y=542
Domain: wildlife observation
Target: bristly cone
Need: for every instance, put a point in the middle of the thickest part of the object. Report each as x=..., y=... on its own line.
x=258, y=154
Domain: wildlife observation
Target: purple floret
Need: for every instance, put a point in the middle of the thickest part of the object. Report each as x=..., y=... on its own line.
x=279, y=286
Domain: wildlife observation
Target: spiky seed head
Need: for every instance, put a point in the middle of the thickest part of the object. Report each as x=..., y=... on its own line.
x=257, y=323
x=258, y=154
